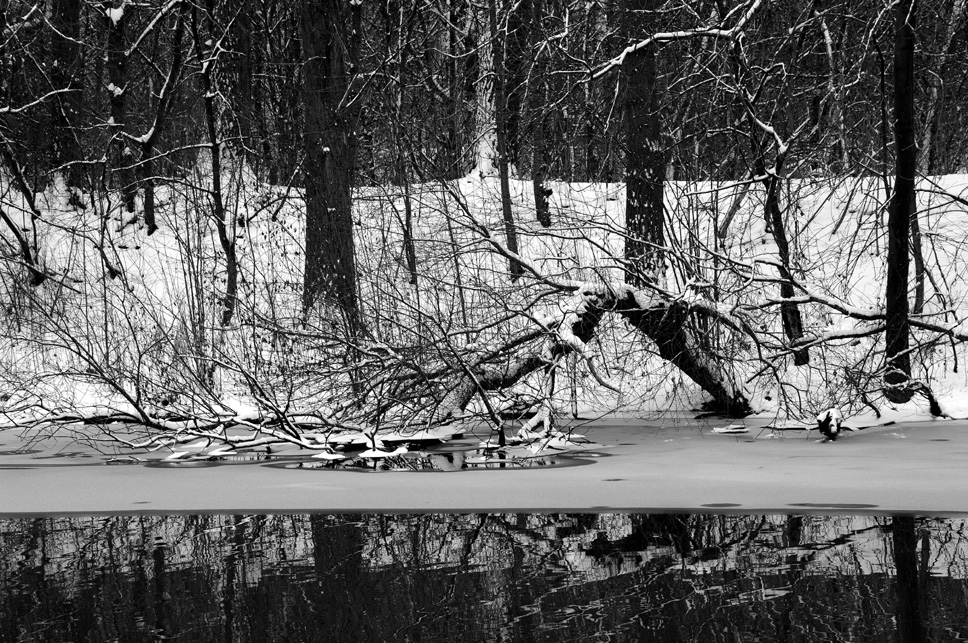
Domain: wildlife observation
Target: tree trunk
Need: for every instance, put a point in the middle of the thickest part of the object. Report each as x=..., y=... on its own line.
x=537, y=95
x=485, y=129
x=66, y=74
x=665, y=323
x=645, y=166
x=933, y=111
x=397, y=49
x=161, y=116
x=668, y=326
x=330, y=147
x=455, y=156
x=225, y=224
x=123, y=156
x=501, y=129
x=901, y=209
x=789, y=311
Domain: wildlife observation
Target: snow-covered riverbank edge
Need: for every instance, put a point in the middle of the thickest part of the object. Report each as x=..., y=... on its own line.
x=642, y=465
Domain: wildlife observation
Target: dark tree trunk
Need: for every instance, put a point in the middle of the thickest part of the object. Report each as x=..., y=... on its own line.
x=501, y=123
x=645, y=165
x=907, y=601
x=66, y=66
x=901, y=209
x=454, y=156
x=123, y=157
x=538, y=96
x=517, y=62
x=165, y=100
x=397, y=49
x=789, y=311
x=244, y=98
x=330, y=146
x=668, y=326
x=37, y=277
x=225, y=224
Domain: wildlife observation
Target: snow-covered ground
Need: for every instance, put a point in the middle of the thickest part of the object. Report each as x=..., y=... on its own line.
x=86, y=343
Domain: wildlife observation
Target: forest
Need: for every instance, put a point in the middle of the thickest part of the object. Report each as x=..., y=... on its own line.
x=300, y=217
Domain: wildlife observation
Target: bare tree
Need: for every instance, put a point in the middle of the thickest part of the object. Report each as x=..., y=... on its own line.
x=902, y=207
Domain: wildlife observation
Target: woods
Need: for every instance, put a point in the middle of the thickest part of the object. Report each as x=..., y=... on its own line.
x=310, y=216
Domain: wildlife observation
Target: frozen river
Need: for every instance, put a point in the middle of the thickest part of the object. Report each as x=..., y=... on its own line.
x=630, y=465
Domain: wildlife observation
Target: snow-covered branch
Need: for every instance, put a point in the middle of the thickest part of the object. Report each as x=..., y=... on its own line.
x=719, y=33
x=116, y=14
x=35, y=102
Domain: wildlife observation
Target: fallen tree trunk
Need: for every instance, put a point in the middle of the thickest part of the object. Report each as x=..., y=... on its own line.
x=667, y=324
x=664, y=322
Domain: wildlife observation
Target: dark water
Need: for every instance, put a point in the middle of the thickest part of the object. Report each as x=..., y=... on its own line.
x=498, y=577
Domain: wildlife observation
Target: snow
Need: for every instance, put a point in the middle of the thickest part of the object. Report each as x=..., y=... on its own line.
x=170, y=277
x=115, y=14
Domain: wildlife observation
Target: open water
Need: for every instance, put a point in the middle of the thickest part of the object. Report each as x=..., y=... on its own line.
x=483, y=577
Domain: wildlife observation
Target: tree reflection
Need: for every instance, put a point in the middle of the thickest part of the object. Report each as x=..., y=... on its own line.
x=483, y=577
x=908, y=592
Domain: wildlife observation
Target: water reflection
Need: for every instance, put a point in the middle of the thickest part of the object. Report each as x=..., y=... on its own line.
x=495, y=577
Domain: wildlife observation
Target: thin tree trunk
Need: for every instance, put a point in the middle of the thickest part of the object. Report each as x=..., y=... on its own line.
x=66, y=74
x=501, y=120
x=789, y=311
x=224, y=222
x=455, y=157
x=902, y=209
x=933, y=104
x=28, y=247
x=395, y=34
x=161, y=117
x=37, y=277
x=123, y=160
x=884, y=125
x=538, y=96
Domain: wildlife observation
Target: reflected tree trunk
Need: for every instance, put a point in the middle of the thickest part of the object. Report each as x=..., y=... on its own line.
x=159, y=569
x=907, y=607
